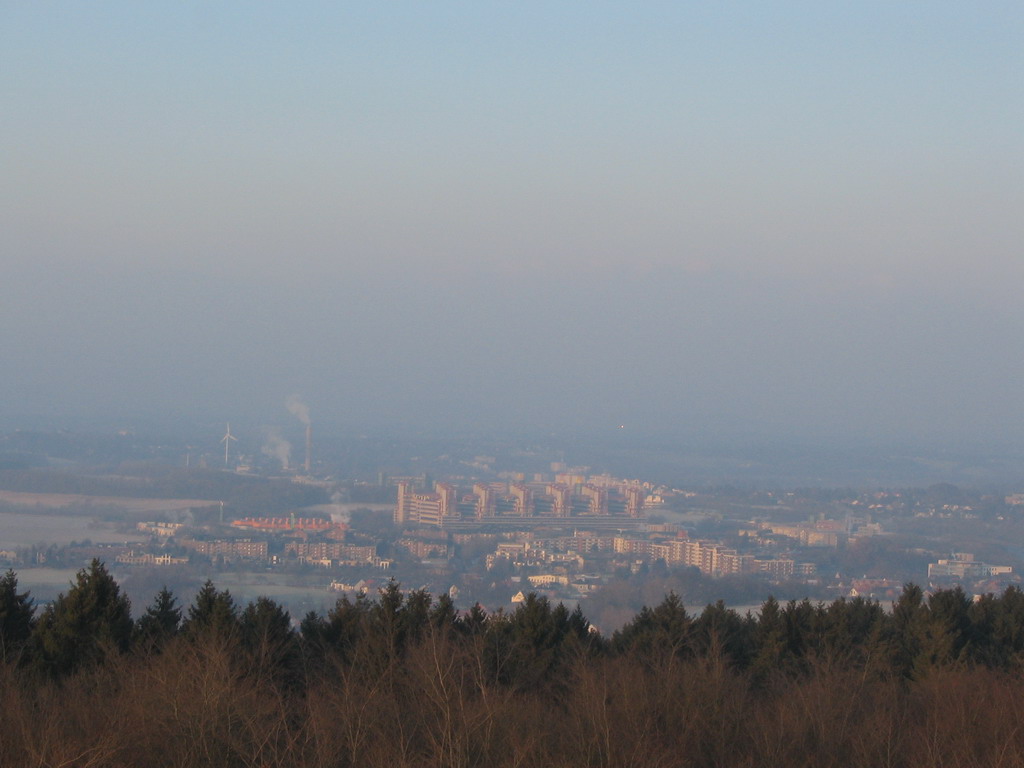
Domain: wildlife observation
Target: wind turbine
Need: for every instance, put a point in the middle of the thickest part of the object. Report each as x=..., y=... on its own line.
x=228, y=437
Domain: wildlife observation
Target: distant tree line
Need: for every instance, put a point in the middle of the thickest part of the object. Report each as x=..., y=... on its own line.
x=406, y=680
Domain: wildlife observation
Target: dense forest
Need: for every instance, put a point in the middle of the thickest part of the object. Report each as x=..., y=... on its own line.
x=406, y=680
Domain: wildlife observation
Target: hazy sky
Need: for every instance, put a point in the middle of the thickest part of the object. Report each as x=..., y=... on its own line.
x=756, y=219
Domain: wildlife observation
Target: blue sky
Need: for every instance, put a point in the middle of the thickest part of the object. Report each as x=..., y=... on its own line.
x=792, y=220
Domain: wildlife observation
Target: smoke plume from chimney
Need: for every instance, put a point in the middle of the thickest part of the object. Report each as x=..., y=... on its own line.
x=297, y=408
x=309, y=447
x=277, y=447
x=300, y=411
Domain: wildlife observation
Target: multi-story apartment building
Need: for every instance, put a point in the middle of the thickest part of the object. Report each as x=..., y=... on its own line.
x=597, y=499
x=424, y=549
x=825, y=533
x=147, y=558
x=963, y=566
x=561, y=499
x=330, y=550
x=578, y=542
x=244, y=549
x=522, y=495
x=712, y=559
x=779, y=568
x=432, y=508
x=499, y=502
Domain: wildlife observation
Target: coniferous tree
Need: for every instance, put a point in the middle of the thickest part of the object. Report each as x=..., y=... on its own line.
x=416, y=615
x=998, y=629
x=161, y=621
x=769, y=641
x=527, y=648
x=804, y=623
x=475, y=620
x=346, y=626
x=387, y=621
x=443, y=615
x=664, y=629
x=313, y=634
x=721, y=629
x=848, y=627
x=578, y=625
x=1009, y=626
x=17, y=617
x=947, y=632
x=212, y=612
x=85, y=625
x=906, y=631
x=269, y=640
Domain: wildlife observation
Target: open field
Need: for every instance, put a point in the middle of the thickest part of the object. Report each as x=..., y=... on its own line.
x=128, y=504
x=26, y=530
